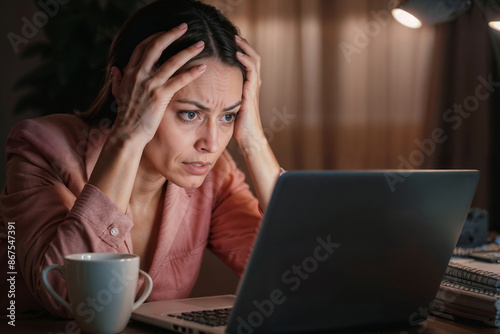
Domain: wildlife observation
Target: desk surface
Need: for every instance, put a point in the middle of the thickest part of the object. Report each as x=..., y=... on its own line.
x=433, y=325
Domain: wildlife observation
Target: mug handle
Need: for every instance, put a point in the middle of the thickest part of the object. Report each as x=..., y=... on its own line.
x=49, y=287
x=147, y=290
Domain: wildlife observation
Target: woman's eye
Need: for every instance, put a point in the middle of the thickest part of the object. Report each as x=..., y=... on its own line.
x=187, y=116
x=229, y=118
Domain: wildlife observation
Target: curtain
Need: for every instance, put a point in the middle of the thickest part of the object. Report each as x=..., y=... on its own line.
x=344, y=85
x=461, y=100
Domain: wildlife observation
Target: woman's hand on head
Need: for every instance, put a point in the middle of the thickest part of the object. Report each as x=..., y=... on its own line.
x=143, y=91
x=259, y=157
x=248, y=131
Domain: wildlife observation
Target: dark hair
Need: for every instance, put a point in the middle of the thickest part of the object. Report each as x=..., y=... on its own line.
x=205, y=23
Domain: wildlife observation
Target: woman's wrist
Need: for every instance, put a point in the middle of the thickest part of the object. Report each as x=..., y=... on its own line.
x=264, y=170
x=116, y=168
x=121, y=140
x=253, y=145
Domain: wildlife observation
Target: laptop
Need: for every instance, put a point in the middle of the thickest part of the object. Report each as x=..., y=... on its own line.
x=338, y=250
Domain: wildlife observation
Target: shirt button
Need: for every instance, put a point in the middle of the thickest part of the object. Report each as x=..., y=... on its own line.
x=114, y=231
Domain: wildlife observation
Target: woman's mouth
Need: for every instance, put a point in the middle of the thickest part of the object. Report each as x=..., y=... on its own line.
x=197, y=167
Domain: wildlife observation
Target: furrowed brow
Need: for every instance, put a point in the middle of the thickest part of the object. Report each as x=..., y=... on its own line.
x=202, y=107
x=233, y=106
x=198, y=105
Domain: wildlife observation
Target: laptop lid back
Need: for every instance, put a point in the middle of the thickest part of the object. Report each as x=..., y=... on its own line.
x=351, y=249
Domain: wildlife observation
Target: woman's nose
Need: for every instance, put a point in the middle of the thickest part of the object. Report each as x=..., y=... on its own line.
x=208, y=139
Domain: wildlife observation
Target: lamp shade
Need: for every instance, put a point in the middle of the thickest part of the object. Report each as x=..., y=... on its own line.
x=415, y=13
x=491, y=9
x=495, y=24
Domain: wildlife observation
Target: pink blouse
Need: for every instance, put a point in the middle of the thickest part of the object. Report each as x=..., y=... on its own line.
x=55, y=213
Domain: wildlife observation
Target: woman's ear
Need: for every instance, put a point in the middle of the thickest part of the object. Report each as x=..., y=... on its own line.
x=116, y=79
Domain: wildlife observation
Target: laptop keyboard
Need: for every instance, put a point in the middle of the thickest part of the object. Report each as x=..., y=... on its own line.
x=216, y=317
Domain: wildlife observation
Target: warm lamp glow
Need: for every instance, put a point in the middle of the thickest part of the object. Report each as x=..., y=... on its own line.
x=495, y=25
x=406, y=18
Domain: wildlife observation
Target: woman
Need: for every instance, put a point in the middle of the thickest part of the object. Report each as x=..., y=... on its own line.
x=145, y=170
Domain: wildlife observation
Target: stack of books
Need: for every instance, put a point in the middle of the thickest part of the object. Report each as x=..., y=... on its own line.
x=470, y=289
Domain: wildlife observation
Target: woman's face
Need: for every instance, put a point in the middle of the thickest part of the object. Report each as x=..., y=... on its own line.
x=197, y=125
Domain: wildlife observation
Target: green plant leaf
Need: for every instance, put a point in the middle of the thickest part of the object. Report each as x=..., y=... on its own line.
x=67, y=69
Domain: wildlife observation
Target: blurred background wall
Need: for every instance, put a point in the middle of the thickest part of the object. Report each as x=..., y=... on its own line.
x=345, y=86
x=12, y=67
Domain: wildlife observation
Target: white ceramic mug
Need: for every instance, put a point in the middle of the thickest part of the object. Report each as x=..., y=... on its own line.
x=101, y=289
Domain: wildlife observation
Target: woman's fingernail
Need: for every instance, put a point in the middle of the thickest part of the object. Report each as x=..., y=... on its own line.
x=182, y=26
x=238, y=37
x=202, y=67
x=199, y=44
x=239, y=54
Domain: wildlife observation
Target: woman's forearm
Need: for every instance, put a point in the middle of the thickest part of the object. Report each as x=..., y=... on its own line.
x=263, y=168
x=116, y=169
